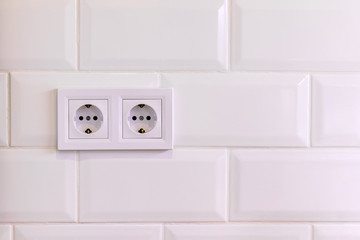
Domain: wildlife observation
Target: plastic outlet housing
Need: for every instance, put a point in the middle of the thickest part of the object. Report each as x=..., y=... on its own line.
x=88, y=119
x=142, y=119
x=114, y=119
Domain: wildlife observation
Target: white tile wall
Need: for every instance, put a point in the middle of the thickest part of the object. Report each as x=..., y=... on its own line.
x=336, y=116
x=179, y=185
x=153, y=34
x=33, y=100
x=295, y=185
x=336, y=231
x=38, y=34
x=37, y=186
x=270, y=103
x=238, y=232
x=303, y=35
x=240, y=109
x=5, y=232
x=88, y=232
x=3, y=109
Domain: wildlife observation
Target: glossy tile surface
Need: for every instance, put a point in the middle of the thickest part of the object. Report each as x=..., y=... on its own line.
x=238, y=232
x=302, y=35
x=159, y=186
x=3, y=109
x=88, y=232
x=38, y=34
x=37, y=186
x=238, y=109
x=33, y=100
x=337, y=231
x=335, y=110
x=153, y=35
x=5, y=232
x=295, y=185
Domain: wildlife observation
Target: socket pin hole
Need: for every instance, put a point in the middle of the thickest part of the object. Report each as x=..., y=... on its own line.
x=81, y=118
x=88, y=105
x=148, y=118
x=95, y=118
x=141, y=105
x=88, y=118
x=141, y=118
x=134, y=118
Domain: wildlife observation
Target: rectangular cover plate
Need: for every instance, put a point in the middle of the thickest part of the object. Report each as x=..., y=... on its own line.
x=113, y=115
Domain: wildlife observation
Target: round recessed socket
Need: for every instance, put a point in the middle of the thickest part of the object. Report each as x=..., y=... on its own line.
x=88, y=119
x=142, y=119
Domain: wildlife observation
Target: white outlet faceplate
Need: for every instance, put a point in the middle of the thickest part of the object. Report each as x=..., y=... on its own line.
x=115, y=119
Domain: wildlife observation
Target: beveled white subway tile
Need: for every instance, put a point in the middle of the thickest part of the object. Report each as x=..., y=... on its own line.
x=86, y=232
x=303, y=35
x=295, y=185
x=153, y=35
x=4, y=110
x=160, y=186
x=37, y=186
x=238, y=232
x=38, y=34
x=5, y=232
x=335, y=110
x=33, y=100
x=239, y=109
x=336, y=231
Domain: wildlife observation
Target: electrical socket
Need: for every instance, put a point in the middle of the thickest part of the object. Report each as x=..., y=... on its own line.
x=142, y=118
x=112, y=119
x=88, y=119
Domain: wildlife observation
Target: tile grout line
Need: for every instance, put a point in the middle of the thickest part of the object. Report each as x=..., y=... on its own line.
x=290, y=148
x=163, y=231
x=78, y=35
x=8, y=119
x=77, y=186
x=154, y=223
x=312, y=232
x=29, y=147
x=229, y=35
x=310, y=109
x=228, y=184
x=75, y=71
x=13, y=232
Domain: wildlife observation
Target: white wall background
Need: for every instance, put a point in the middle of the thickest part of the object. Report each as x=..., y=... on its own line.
x=267, y=120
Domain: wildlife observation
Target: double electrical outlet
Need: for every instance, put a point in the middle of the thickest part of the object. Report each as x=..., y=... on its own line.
x=111, y=119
